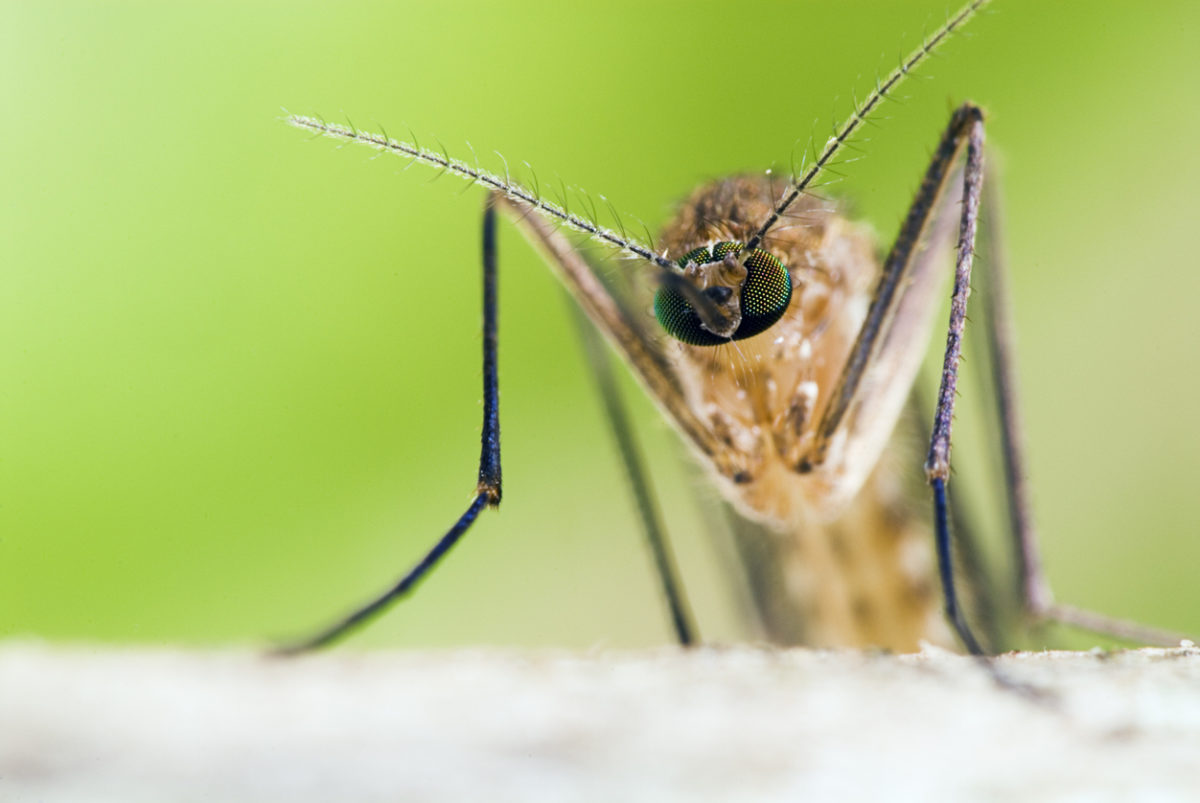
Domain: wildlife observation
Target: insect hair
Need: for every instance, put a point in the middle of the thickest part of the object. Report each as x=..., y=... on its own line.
x=859, y=116
x=478, y=175
x=559, y=212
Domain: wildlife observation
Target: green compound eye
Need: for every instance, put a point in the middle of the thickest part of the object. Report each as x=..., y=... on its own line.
x=766, y=294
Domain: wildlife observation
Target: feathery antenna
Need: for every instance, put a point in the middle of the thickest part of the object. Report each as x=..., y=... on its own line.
x=860, y=114
x=477, y=175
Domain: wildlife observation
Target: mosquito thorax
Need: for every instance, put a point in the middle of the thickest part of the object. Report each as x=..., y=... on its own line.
x=755, y=291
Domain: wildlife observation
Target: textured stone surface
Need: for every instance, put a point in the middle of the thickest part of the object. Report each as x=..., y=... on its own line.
x=79, y=724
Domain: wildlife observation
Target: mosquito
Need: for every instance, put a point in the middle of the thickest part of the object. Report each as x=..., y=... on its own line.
x=784, y=350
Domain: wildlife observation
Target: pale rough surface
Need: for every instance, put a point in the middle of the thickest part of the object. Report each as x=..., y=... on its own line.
x=741, y=724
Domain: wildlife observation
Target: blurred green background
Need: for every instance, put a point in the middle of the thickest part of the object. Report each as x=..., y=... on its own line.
x=240, y=368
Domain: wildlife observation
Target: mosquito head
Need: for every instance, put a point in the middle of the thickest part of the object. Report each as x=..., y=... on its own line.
x=720, y=296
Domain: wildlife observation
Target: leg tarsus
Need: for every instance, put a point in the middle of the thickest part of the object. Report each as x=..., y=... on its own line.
x=400, y=589
x=946, y=568
x=488, y=488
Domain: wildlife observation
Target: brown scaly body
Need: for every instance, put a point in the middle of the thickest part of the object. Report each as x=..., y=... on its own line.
x=853, y=561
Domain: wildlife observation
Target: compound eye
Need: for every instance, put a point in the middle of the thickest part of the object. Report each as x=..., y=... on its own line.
x=765, y=296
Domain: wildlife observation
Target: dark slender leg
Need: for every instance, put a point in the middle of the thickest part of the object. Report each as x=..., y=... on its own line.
x=1033, y=588
x=946, y=567
x=902, y=271
x=937, y=465
x=987, y=608
x=488, y=488
x=639, y=479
